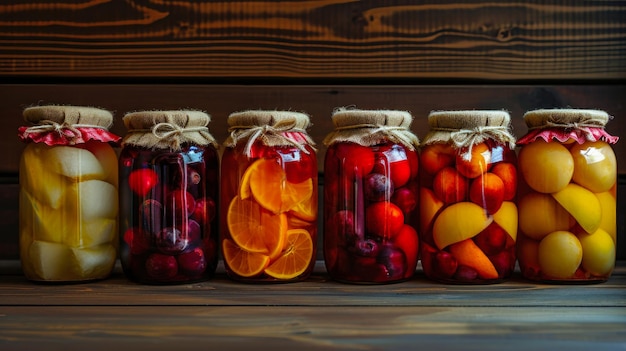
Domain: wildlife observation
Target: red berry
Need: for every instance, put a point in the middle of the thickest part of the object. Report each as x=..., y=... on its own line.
x=162, y=267
x=141, y=181
x=397, y=162
x=137, y=240
x=405, y=199
x=181, y=203
x=356, y=160
x=192, y=262
x=445, y=264
x=204, y=210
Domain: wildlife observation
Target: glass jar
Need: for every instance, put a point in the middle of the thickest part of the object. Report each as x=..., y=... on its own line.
x=68, y=204
x=168, y=192
x=567, y=206
x=468, y=186
x=370, y=197
x=269, y=191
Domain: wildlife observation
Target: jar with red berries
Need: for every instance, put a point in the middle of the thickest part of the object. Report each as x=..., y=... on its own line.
x=371, y=197
x=468, y=186
x=567, y=205
x=68, y=204
x=269, y=191
x=168, y=193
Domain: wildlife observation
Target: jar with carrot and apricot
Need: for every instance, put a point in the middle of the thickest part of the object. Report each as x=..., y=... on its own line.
x=567, y=205
x=68, y=203
x=371, y=197
x=468, y=186
x=269, y=193
x=168, y=194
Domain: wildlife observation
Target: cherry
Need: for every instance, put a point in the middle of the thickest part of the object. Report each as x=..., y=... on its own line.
x=162, y=267
x=141, y=181
x=137, y=240
x=192, y=262
x=393, y=259
x=383, y=219
x=492, y=239
x=405, y=199
x=396, y=159
x=378, y=187
x=298, y=165
x=504, y=262
x=445, y=264
x=465, y=273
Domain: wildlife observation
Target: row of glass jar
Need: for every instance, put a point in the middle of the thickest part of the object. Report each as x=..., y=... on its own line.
x=457, y=200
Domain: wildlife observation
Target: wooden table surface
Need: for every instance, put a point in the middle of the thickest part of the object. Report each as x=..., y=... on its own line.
x=318, y=313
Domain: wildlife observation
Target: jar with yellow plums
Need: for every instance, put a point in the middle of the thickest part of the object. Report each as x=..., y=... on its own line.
x=567, y=204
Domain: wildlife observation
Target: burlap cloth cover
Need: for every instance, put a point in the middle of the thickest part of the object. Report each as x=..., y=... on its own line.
x=271, y=128
x=464, y=129
x=68, y=125
x=371, y=127
x=563, y=124
x=167, y=129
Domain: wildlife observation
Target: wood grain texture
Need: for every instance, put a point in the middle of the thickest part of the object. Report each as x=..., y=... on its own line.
x=512, y=40
x=312, y=315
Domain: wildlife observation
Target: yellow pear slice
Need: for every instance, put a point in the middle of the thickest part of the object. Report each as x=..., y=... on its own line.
x=36, y=178
x=506, y=217
x=94, y=199
x=582, y=204
x=75, y=163
x=459, y=221
x=50, y=260
x=94, y=263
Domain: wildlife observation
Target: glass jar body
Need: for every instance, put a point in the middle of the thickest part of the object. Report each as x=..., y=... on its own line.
x=468, y=213
x=269, y=231
x=370, y=212
x=68, y=211
x=567, y=209
x=168, y=214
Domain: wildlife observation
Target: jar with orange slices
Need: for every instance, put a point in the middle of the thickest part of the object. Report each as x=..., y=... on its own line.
x=468, y=187
x=370, y=197
x=68, y=205
x=168, y=194
x=269, y=193
x=567, y=205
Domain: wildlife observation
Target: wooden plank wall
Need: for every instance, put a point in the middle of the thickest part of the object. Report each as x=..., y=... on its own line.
x=311, y=56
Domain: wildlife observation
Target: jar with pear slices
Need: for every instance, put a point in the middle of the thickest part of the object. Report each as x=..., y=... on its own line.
x=68, y=203
x=567, y=205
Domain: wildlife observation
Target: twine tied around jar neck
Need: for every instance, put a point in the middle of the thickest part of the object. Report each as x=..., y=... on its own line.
x=395, y=133
x=583, y=125
x=254, y=132
x=67, y=130
x=467, y=138
x=171, y=133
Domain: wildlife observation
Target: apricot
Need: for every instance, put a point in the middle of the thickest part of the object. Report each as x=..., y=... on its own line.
x=487, y=191
x=468, y=254
x=528, y=256
x=608, y=205
x=508, y=174
x=408, y=241
x=434, y=157
x=395, y=164
x=559, y=254
x=598, y=252
x=450, y=186
x=546, y=167
x=595, y=166
x=475, y=163
x=540, y=214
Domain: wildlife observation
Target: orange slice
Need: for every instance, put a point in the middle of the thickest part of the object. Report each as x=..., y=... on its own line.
x=244, y=187
x=254, y=229
x=242, y=262
x=270, y=188
x=307, y=209
x=295, y=258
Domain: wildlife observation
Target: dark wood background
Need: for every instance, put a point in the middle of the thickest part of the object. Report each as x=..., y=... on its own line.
x=310, y=56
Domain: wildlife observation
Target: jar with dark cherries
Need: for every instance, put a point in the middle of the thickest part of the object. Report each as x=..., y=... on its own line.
x=468, y=187
x=269, y=194
x=168, y=194
x=567, y=205
x=371, y=197
x=68, y=205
